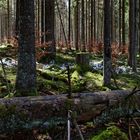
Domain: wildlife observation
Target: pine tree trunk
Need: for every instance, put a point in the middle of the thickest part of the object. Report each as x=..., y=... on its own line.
x=83, y=47
x=133, y=35
x=123, y=22
x=26, y=73
x=107, y=45
x=49, y=27
x=76, y=25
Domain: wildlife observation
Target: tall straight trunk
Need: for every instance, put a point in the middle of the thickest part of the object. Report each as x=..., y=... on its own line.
x=98, y=17
x=107, y=45
x=132, y=35
x=17, y=18
x=139, y=26
x=83, y=26
x=69, y=25
x=76, y=24
x=112, y=21
x=38, y=21
x=42, y=21
x=8, y=20
x=94, y=13
x=123, y=22
x=86, y=21
x=120, y=24
x=26, y=73
x=49, y=26
x=91, y=39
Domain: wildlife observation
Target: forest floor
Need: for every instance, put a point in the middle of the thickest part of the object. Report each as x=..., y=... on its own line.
x=52, y=79
x=52, y=76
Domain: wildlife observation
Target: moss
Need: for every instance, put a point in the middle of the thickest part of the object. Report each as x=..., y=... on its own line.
x=111, y=133
x=78, y=81
x=51, y=85
x=32, y=92
x=62, y=58
x=11, y=119
x=127, y=81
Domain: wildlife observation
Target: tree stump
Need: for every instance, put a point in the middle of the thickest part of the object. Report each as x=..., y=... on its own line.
x=82, y=59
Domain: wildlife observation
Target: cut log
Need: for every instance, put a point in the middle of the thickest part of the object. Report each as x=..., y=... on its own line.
x=86, y=105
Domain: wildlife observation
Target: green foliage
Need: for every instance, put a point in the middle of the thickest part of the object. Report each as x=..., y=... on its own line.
x=11, y=119
x=126, y=108
x=64, y=58
x=3, y=4
x=78, y=82
x=111, y=133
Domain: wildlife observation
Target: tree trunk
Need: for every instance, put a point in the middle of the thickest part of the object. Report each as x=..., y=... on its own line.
x=69, y=26
x=76, y=25
x=49, y=26
x=17, y=18
x=107, y=44
x=42, y=21
x=82, y=59
x=120, y=24
x=123, y=22
x=132, y=61
x=87, y=105
x=83, y=47
x=26, y=74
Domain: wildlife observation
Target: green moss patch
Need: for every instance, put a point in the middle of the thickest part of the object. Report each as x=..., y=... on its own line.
x=111, y=133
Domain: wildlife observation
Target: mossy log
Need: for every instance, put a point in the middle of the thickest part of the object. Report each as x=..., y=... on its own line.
x=86, y=105
x=52, y=77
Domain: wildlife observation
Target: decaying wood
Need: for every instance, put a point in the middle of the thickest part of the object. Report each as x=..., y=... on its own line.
x=86, y=105
x=82, y=59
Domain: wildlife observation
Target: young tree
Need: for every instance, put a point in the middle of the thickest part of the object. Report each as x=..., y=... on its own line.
x=107, y=44
x=26, y=73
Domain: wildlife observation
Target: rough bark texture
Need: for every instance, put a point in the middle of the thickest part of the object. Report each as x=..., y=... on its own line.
x=49, y=26
x=82, y=59
x=86, y=105
x=42, y=21
x=76, y=25
x=83, y=48
x=107, y=43
x=26, y=74
x=132, y=61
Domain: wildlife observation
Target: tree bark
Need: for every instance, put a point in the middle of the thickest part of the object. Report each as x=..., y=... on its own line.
x=49, y=26
x=86, y=105
x=26, y=74
x=132, y=61
x=107, y=44
x=83, y=47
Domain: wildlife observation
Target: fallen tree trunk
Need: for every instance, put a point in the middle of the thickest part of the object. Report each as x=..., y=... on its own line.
x=86, y=105
x=19, y=113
